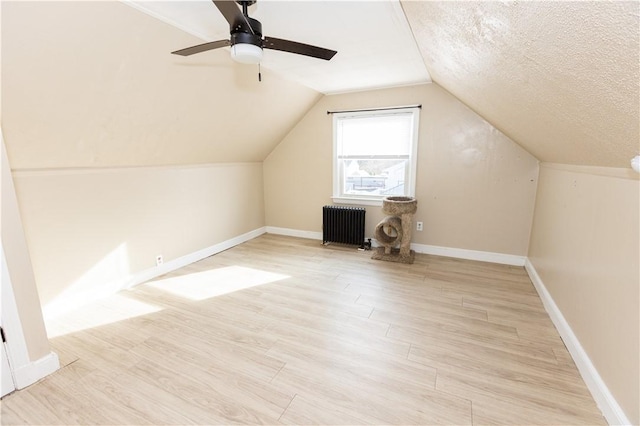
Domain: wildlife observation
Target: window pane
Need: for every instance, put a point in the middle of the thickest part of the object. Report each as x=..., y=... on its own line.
x=374, y=154
x=374, y=177
x=377, y=135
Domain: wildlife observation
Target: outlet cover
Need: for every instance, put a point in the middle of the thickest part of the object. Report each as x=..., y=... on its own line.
x=159, y=260
x=419, y=226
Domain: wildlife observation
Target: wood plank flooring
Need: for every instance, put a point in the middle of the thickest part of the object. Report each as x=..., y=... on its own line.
x=281, y=330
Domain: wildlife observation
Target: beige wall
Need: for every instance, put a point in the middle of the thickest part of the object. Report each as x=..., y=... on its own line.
x=585, y=247
x=89, y=229
x=475, y=187
x=22, y=279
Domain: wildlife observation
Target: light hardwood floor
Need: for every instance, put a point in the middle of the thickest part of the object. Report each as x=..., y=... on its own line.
x=312, y=335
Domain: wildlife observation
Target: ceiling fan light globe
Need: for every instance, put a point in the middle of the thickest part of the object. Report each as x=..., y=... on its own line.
x=246, y=53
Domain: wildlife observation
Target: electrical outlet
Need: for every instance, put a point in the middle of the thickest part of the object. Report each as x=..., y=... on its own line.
x=159, y=260
x=419, y=226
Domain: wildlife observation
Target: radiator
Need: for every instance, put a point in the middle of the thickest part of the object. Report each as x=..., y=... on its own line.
x=344, y=225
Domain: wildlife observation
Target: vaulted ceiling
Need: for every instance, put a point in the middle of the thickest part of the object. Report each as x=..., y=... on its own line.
x=88, y=84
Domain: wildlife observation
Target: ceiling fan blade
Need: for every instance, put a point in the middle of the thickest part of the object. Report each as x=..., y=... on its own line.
x=202, y=47
x=237, y=21
x=299, y=48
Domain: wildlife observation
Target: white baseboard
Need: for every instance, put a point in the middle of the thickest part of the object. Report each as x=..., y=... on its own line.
x=294, y=233
x=606, y=402
x=482, y=256
x=30, y=373
x=190, y=258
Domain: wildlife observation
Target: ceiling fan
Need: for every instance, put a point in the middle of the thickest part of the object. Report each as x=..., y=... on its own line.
x=246, y=39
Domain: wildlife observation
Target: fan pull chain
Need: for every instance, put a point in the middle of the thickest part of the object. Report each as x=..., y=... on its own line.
x=259, y=73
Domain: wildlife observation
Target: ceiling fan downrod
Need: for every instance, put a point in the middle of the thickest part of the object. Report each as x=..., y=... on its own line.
x=245, y=6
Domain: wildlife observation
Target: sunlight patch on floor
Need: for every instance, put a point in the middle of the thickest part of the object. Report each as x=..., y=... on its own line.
x=215, y=282
x=115, y=308
x=105, y=278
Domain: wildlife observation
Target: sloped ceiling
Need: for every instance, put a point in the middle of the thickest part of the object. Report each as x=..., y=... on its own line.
x=560, y=78
x=92, y=84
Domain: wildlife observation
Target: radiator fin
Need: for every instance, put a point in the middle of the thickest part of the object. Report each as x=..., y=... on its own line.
x=344, y=225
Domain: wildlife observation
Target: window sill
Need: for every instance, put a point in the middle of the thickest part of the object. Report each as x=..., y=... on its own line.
x=358, y=201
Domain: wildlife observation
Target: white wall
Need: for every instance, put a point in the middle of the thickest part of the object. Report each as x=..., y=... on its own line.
x=19, y=266
x=28, y=349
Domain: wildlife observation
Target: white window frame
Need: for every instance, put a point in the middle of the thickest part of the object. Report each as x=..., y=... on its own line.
x=338, y=173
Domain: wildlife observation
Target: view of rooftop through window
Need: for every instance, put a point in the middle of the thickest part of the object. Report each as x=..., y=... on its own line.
x=374, y=153
x=375, y=177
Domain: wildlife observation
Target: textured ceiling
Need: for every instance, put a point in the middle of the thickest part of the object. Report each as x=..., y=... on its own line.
x=374, y=42
x=560, y=78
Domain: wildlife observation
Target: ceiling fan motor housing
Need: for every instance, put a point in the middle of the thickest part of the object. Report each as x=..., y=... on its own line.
x=245, y=38
x=242, y=36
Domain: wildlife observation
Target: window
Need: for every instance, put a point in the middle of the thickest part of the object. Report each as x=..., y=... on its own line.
x=374, y=155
